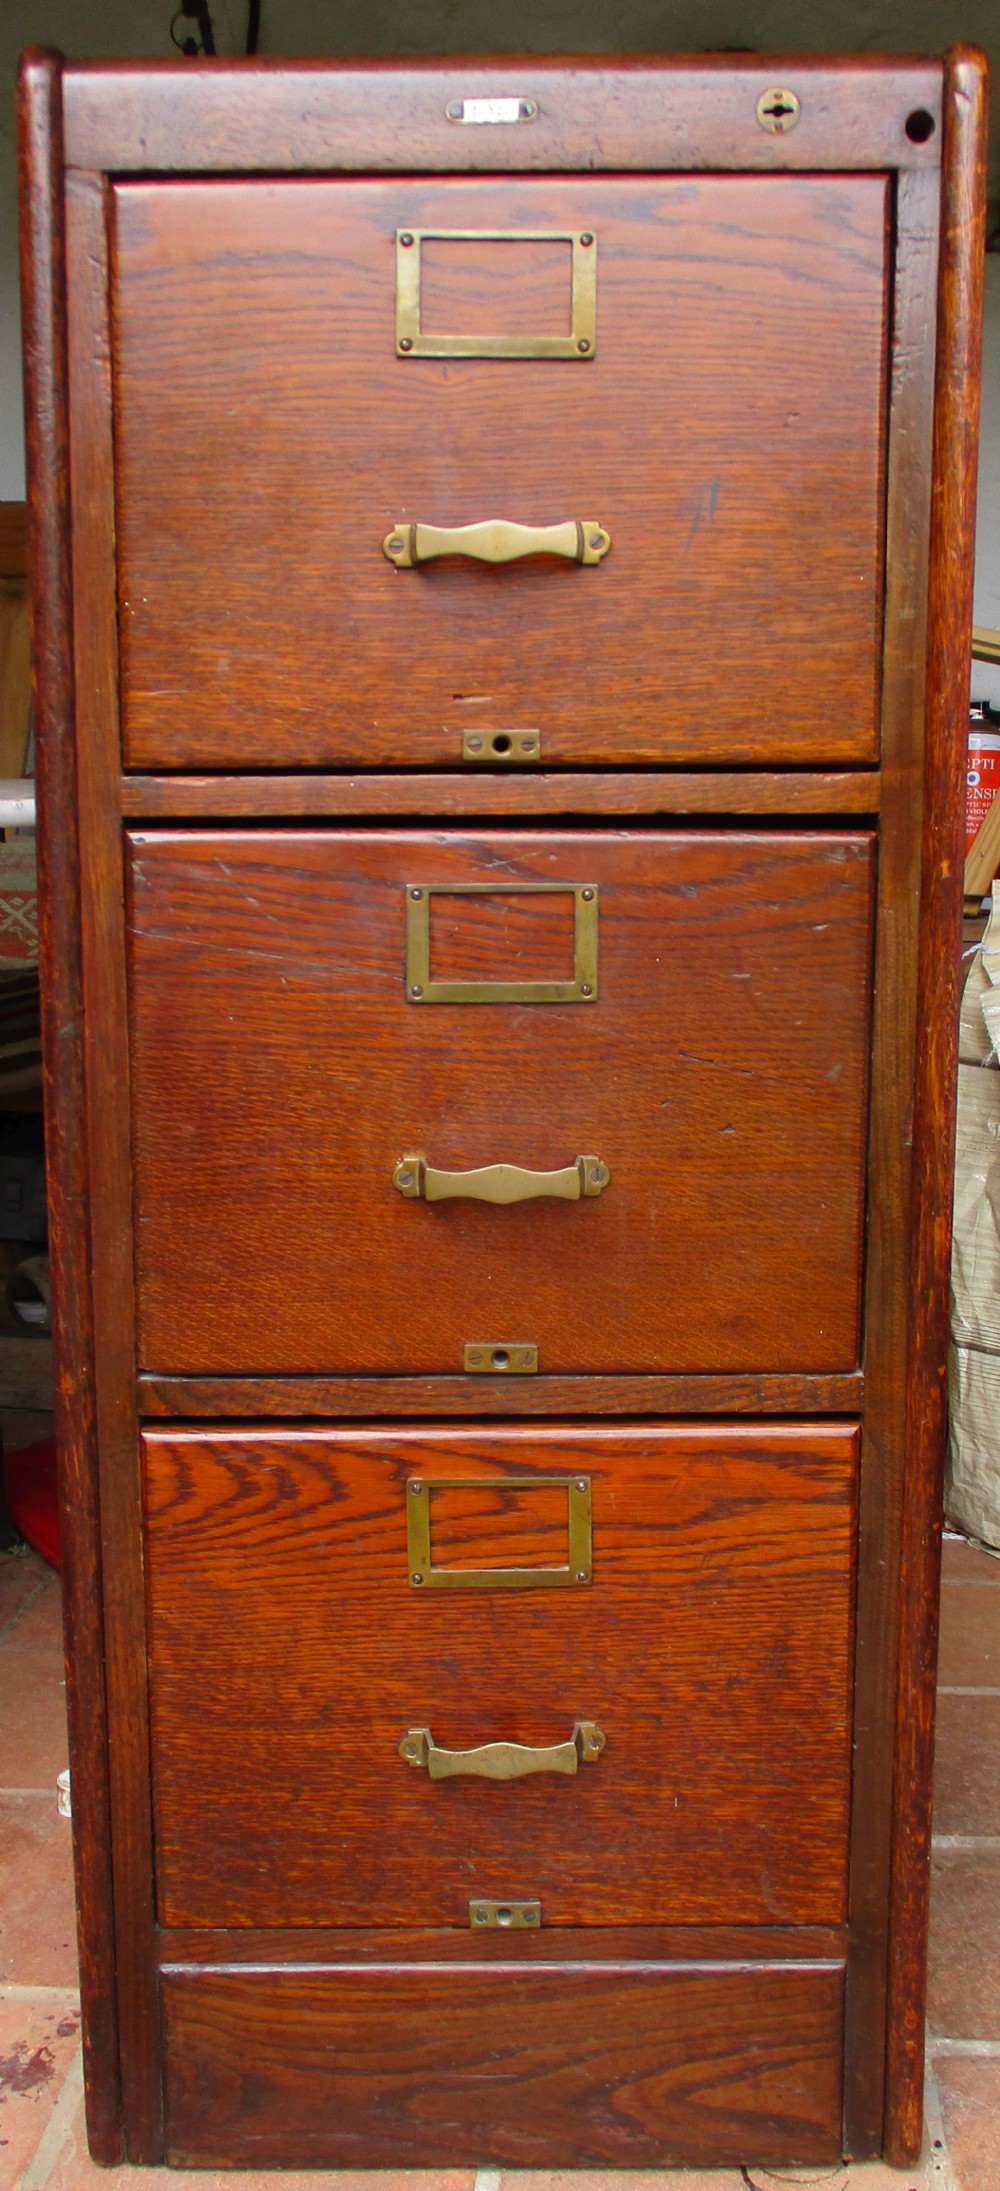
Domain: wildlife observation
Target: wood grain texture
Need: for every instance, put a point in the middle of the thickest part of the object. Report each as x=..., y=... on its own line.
x=43, y=276
x=713, y=1648
x=596, y=112
x=894, y=1034
x=466, y=1395
x=107, y=1128
x=750, y=308
x=280, y=1073
x=157, y=798
x=953, y=512
x=439, y=2067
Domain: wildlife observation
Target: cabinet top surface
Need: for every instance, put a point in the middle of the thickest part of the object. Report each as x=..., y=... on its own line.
x=540, y=113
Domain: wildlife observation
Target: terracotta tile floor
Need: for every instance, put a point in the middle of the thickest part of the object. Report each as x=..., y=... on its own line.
x=42, y=2143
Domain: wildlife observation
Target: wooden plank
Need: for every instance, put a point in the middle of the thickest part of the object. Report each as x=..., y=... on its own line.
x=107, y=1126
x=894, y=1037
x=953, y=515
x=70, y=1237
x=159, y=798
x=460, y=1396
x=612, y=2065
x=593, y=114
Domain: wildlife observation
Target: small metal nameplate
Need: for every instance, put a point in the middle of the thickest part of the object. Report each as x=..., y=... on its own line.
x=491, y=110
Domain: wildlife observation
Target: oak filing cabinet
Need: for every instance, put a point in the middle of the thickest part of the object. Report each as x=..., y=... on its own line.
x=502, y=568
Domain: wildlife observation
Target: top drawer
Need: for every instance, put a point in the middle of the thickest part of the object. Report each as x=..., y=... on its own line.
x=278, y=421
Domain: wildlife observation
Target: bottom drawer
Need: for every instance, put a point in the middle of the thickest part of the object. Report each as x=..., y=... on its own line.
x=686, y=1591
x=440, y=2065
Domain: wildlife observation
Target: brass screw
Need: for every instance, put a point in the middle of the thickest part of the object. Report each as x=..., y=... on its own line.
x=597, y=540
x=416, y=990
x=586, y=237
x=406, y=239
x=778, y=111
x=475, y=745
x=585, y=989
x=405, y=342
x=415, y=1487
x=583, y=344
x=416, y=1578
x=582, y=1576
x=581, y=1483
x=588, y=894
x=416, y=893
x=395, y=546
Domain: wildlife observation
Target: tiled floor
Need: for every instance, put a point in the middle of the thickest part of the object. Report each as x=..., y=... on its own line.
x=42, y=2142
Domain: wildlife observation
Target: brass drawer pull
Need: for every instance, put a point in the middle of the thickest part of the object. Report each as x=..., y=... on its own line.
x=420, y=1181
x=503, y=1760
x=579, y=540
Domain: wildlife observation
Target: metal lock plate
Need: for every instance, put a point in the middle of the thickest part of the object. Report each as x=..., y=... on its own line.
x=506, y=748
x=505, y=1916
x=499, y=1358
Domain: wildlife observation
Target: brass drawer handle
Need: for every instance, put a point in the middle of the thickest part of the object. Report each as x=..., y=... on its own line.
x=420, y=1181
x=503, y=1760
x=579, y=540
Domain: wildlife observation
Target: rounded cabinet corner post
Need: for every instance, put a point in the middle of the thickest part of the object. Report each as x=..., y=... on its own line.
x=43, y=252
x=952, y=546
x=562, y=974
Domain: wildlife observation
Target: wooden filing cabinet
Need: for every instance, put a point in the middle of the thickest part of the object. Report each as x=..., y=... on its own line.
x=502, y=547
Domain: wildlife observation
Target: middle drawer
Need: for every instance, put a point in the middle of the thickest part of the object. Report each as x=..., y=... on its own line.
x=341, y=1040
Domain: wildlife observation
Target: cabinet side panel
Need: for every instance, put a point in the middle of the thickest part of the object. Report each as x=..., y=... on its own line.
x=953, y=514
x=43, y=273
x=107, y=1113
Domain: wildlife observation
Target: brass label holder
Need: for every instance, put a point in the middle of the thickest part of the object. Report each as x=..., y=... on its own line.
x=577, y=346
x=579, y=1557
x=421, y=987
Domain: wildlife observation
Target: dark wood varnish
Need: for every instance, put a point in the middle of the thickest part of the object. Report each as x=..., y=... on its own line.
x=280, y=1072
x=318, y=653
x=500, y=1395
x=953, y=514
x=727, y=1550
x=59, y=879
x=388, y=2065
x=602, y=112
x=765, y=684
x=582, y=792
